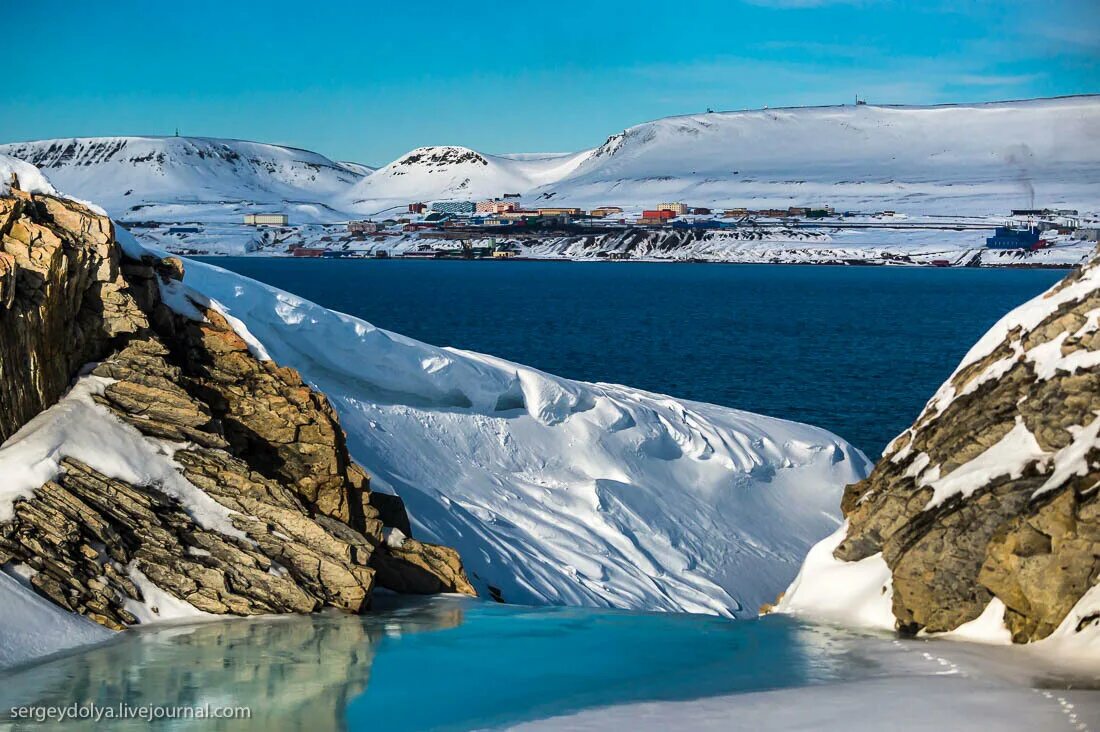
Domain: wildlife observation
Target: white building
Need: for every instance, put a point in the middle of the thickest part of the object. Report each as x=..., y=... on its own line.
x=265, y=219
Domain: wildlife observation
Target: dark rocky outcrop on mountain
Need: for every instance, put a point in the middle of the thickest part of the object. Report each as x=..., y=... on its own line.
x=289, y=523
x=1011, y=442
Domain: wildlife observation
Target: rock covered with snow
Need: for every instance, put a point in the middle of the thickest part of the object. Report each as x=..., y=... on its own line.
x=26, y=176
x=183, y=472
x=987, y=510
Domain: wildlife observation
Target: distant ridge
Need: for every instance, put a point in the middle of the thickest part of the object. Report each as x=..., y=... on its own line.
x=975, y=158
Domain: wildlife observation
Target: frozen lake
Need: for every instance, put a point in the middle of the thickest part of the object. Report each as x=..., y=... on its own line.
x=458, y=664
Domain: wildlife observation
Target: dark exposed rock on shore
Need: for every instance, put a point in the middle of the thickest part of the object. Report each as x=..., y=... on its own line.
x=1011, y=444
x=291, y=525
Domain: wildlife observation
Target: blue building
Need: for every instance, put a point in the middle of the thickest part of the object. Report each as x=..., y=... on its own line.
x=1006, y=237
x=454, y=207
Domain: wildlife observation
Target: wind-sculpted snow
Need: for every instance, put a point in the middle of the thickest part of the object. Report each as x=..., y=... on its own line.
x=559, y=491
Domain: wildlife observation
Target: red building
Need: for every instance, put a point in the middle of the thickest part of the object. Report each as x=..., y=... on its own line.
x=417, y=208
x=662, y=214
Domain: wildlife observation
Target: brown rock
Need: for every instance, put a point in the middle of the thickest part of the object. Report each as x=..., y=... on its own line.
x=1034, y=546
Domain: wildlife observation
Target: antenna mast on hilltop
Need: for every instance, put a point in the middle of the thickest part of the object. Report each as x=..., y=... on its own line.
x=177, y=132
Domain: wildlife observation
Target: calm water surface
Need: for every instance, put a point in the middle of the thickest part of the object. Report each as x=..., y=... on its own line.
x=439, y=664
x=856, y=350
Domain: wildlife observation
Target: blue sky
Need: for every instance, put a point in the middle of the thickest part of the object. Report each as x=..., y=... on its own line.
x=368, y=81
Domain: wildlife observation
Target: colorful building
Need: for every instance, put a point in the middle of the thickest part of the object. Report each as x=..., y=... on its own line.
x=495, y=207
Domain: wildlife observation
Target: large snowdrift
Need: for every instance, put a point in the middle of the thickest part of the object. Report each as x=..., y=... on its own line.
x=559, y=491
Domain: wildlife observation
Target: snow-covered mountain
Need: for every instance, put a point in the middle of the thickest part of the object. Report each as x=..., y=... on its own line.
x=965, y=158
x=980, y=158
x=190, y=178
x=434, y=173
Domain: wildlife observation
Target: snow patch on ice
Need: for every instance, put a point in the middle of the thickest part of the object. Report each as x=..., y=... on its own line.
x=856, y=594
x=989, y=627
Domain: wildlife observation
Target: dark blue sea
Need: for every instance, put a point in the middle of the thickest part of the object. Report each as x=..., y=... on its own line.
x=856, y=350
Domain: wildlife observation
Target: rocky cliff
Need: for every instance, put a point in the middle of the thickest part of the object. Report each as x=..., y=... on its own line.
x=246, y=501
x=990, y=499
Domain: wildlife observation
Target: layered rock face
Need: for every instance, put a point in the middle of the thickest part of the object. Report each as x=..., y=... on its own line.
x=993, y=492
x=278, y=518
x=61, y=300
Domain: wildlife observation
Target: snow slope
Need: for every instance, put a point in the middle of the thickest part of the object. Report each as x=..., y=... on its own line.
x=33, y=627
x=190, y=178
x=559, y=491
x=980, y=158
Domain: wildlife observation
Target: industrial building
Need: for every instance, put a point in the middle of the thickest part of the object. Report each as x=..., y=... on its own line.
x=1007, y=237
x=265, y=219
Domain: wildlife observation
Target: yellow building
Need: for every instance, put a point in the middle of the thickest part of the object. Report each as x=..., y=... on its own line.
x=677, y=208
x=560, y=212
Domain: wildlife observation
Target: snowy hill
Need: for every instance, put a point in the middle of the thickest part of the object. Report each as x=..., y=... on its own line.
x=979, y=158
x=433, y=173
x=190, y=178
